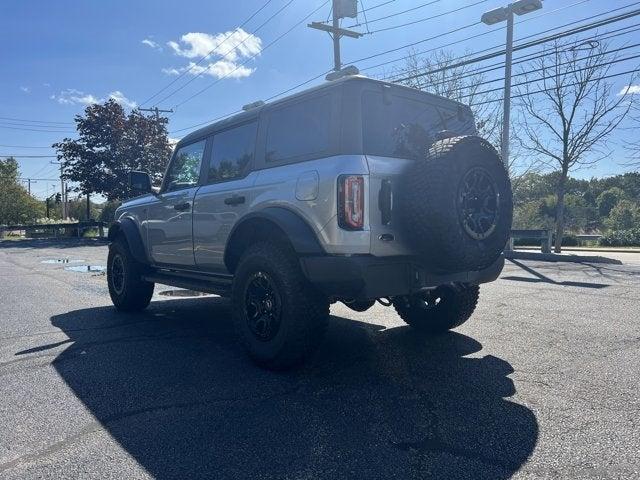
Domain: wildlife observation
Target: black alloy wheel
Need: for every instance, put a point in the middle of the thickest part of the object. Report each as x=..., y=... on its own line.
x=478, y=203
x=263, y=306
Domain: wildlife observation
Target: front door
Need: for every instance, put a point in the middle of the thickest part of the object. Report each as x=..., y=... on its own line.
x=169, y=221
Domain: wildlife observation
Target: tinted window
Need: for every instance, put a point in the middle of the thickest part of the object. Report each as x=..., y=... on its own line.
x=300, y=129
x=397, y=126
x=232, y=151
x=185, y=168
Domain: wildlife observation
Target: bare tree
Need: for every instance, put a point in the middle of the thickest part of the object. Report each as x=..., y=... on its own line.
x=568, y=110
x=633, y=146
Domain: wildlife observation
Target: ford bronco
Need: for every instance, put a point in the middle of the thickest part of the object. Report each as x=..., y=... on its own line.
x=354, y=191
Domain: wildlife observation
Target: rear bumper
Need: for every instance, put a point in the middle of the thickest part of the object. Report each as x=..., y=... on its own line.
x=368, y=277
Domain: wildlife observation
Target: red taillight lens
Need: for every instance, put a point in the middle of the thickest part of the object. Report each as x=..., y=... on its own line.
x=351, y=202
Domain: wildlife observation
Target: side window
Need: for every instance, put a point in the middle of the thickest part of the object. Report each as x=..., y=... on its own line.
x=185, y=168
x=232, y=151
x=303, y=128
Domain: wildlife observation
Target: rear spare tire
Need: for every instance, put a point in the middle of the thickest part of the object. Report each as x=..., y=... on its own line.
x=455, y=206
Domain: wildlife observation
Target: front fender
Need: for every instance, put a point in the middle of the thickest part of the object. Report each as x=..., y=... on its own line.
x=129, y=229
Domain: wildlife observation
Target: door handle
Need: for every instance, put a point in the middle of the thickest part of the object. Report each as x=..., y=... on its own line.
x=235, y=200
x=181, y=207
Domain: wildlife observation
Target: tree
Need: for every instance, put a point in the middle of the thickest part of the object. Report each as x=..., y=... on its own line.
x=609, y=199
x=568, y=112
x=624, y=216
x=16, y=205
x=110, y=145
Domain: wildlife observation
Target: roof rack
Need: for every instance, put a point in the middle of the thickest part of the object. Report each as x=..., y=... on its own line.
x=251, y=106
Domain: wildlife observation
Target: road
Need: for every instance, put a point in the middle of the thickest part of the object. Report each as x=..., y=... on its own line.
x=541, y=383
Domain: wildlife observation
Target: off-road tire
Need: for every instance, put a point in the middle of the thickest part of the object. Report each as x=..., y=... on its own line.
x=456, y=305
x=304, y=311
x=133, y=294
x=429, y=211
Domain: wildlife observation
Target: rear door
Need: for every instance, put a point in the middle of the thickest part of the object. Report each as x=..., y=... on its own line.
x=398, y=127
x=169, y=229
x=227, y=194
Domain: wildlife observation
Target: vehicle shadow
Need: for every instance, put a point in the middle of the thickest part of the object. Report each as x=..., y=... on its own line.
x=171, y=386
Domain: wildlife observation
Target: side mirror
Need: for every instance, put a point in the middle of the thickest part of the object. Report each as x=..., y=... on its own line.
x=140, y=182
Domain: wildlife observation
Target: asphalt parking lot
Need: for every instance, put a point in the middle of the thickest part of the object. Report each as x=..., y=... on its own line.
x=541, y=383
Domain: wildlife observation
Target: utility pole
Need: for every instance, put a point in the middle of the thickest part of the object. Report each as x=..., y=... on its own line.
x=156, y=110
x=63, y=190
x=341, y=9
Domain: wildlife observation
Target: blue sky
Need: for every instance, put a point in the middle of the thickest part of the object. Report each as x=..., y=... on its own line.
x=60, y=55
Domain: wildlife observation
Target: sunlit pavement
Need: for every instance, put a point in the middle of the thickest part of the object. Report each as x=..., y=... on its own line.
x=541, y=383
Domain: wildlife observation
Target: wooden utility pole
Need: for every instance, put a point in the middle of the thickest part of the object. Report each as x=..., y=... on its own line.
x=156, y=110
x=341, y=9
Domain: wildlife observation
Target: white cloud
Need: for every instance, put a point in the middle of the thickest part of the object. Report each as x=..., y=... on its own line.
x=171, y=71
x=26, y=89
x=217, y=69
x=152, y=44
x=46, y=84
x=71, y=96
x=119, y=97
x=630, y=90
x=224, y=53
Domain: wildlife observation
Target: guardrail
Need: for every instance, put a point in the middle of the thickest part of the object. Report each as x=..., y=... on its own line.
x=55, y=229
x=544, y=235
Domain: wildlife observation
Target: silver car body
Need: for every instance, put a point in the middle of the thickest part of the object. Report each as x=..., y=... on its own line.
x=196, y=237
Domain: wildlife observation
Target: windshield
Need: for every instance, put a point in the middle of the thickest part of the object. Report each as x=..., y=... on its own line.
x=394, y=125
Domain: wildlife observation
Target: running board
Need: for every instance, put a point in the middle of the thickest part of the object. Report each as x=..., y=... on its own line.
x=219, y=285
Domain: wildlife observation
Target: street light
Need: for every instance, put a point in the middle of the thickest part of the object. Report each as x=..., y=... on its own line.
x=521, y=7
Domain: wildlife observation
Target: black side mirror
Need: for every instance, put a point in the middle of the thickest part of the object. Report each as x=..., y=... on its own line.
x=140, y=182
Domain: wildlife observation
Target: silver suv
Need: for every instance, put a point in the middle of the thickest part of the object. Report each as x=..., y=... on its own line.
x=353, y=191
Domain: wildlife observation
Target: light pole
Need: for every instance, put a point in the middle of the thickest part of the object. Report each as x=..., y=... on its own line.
x=521, y=7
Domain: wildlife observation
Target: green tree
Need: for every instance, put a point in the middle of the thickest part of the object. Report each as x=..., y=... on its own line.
x=16, y=205
x=624, y=216
x=111, y=143
x=609, y=199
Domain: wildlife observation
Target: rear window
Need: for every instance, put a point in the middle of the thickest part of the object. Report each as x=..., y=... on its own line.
x=232, y=151
x=399, y=126
x=299, y=130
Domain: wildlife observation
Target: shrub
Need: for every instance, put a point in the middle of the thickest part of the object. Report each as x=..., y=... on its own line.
x=622, y=238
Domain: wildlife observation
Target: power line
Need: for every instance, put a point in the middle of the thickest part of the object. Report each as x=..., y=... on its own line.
x=231, y=50
x=28, y=156
x=598, y=79
x=560, y=74
x=530, y=44
x=488, y=32
x=394, y=14
x=212, y=51
x=34, y=121
x=364, y=10
x=527, y=58
x=36, y=130
x=253, y=56
x=393, y=27
x=22, y=146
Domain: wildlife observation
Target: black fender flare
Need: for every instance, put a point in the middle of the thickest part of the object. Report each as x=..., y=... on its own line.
x=302, y=237
x=131, y=233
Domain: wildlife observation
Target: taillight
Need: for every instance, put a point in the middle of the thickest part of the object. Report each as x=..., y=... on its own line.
x=351, y=202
